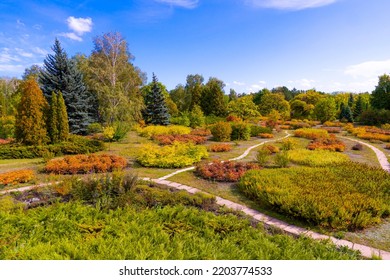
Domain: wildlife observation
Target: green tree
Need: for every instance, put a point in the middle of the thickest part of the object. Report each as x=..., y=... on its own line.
x=212, y=100
x=115, y=80
x=274, y=101
x=380, y=98
x=156, y=111
x=350, y=100
x=30, y=123
x=243, y=107
x=358, y=110
x=180, y=96
x=53, y=119
x=196, y=117
x=60, y=74
x=194, y=87
x=62, y=118
x=325, y=109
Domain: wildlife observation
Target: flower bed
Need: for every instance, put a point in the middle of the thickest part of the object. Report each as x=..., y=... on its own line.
x=83, y=164
x=226, y=171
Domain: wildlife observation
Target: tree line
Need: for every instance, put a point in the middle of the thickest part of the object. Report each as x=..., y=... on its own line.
x=105, y=87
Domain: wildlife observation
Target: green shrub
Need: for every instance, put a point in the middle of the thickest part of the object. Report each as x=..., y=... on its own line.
x=281, y=159
x=182, y=120
x=94, y=128
x=317, y=157
x=256, y=130
x=262, y=157
x=176, y=155
x=197, y=118
x=221, y=131
x=342, y=196
x=74, y=145
x=7, y=127
x=211, y=119
x=241, y=131
x=120, y=130
x=289, y=144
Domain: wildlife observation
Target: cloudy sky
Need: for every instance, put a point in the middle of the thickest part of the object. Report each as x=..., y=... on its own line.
x=330, y=45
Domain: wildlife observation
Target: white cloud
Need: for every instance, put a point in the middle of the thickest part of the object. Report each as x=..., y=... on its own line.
x=23, y=53
x=79, y=25
x=302, y=83
x=189, y=4
x=290, y=4
x=40, y=51
x=71, y=36
x=368, y=69
x=6, y=56
x=238, y=83
x=10, y=68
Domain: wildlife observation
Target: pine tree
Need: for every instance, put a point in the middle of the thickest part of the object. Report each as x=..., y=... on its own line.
x=30, y=123
x=358, y=107
x=62, y=117
x=350, y=100
x=62, y=74
x=53, y=119
x=346, y=113
x=156, y=111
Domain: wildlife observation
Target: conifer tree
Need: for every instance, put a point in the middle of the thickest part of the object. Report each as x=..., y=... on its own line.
x=61, y=74
x=62, y=117
x=30, y=125
x=156, y=111
x=358, y=107
x=53, y=119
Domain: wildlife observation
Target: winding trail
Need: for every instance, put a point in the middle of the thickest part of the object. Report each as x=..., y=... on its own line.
x=365, y=251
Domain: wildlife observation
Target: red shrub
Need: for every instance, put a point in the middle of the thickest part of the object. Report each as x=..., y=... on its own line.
x=330, y=144
x=266, y=135
x=220, y=148
x=82, y=164
x=227, y=171
x=271, y=148
x=232, y=118
x=166, y=139
x=201, y=132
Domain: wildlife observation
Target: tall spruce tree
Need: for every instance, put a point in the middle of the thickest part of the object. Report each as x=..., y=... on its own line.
x=156, y=111
x=61, y=74
x=30, y=125
x=358, y=107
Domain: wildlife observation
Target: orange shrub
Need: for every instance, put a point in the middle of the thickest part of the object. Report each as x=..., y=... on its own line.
x=201, y=132
x=330, y=144
x=232, y=118
x=334, y=124
x=332, y=129
x=5, y=141
x=387, y=146
x=16, y=177
x=82, y=164
x=266, y=135
x=285, y=126
x=220, y=147
x=165, y=139
x=227, y=171
x=271, y=148
x=374, y=136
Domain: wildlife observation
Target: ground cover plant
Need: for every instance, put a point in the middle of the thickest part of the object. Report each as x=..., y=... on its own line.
x=175, y=155
x=16, y=177
x=344, y=196
x=220, y=148
x=311, y=133
x=227, y=171
x=84, y=164
x=316, y=158
x=113, y=217
x=164, y=139
x=331, y=144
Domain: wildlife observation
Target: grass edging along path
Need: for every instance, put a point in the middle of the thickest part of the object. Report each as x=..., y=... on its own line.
x=379, y=154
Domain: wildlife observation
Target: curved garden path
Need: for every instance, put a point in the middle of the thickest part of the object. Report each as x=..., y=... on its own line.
x=366, y=251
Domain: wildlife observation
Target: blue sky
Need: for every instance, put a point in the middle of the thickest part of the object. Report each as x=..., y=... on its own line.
x=330, y=45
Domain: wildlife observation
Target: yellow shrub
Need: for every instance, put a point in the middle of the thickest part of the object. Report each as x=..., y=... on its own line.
x=317, y=157
x=16, y=177
x=152, y=130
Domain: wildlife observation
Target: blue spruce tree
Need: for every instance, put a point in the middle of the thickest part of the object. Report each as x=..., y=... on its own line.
x=156, y=111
